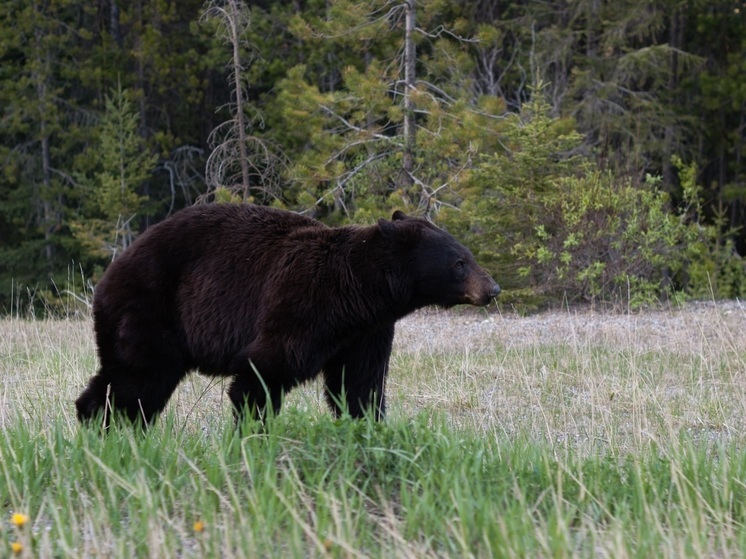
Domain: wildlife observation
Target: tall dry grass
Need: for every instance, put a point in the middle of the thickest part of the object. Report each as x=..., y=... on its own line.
x=582, y=379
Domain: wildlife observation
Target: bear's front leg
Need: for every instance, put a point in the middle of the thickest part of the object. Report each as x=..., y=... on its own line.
x=256, y=389
x=356, y=376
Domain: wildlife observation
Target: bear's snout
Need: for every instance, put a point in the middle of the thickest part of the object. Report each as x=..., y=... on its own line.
x=495, y=291
x=481, y=290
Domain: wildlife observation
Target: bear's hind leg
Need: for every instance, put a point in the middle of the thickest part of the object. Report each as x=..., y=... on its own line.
x=94, y=400
x=139, y=394
x=138, y=374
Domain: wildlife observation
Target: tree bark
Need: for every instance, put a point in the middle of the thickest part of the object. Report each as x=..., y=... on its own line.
x=114, y=28
x=240, y=118
x=46, y=158
x=410, y=59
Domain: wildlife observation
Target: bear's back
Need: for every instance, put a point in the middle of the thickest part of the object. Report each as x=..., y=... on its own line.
x=197, y=225
x=208, y=238
x=204, y=233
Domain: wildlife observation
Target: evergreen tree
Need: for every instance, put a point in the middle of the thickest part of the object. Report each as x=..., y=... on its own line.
x=717, y=31
x=515, y=190
x=112, y=206
x=40, y=124
x=387, y=134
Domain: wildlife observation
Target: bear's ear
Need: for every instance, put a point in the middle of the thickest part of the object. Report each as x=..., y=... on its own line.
x=387, y=228
x=398, y=215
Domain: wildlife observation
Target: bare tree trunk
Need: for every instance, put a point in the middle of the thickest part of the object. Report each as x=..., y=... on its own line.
x=46, y=166
x=139, y=51
x=240, y=163
x=737, y=204
x=410, y=58
x=46, y=158
x=114, y=23
x=675, y=42
x=237, y=73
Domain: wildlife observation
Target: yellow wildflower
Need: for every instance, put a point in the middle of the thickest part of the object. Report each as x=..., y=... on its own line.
x=199, y=526
x=19, y=519
x=17, y=547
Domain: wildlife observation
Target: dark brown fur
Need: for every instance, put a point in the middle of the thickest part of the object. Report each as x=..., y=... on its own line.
x=270, y=298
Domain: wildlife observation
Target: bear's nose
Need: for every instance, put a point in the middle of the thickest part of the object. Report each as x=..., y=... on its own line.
x=495, y=291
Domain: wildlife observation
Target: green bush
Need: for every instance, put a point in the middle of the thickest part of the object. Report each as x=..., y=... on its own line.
x=607, y=240
x=550, y=225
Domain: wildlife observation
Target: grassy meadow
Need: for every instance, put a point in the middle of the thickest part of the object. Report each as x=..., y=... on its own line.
x=567, y=434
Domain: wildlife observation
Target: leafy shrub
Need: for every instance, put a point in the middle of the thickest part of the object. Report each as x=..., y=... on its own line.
x=606, y=239
x=550, y=225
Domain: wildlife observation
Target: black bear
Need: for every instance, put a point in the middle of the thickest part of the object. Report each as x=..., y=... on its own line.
x=270, y=298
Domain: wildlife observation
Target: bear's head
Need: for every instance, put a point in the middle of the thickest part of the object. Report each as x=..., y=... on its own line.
x=432, y=267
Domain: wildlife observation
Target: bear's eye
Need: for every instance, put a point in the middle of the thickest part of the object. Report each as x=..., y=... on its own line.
x=460, y=263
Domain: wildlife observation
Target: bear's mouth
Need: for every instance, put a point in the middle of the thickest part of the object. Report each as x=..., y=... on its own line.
x=480, y=301
x=483, y=298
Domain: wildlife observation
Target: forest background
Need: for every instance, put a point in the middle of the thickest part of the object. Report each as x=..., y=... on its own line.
x=585, y=150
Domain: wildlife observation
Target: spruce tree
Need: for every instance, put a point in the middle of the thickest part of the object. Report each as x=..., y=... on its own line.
x=112, y=204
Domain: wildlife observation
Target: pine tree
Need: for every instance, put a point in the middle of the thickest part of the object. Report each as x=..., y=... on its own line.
x=40, y=126
x=397, y=128
x=514, y=190
x=112, y=206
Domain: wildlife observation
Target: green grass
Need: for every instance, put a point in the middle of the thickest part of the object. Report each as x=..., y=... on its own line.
x=607, y=443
